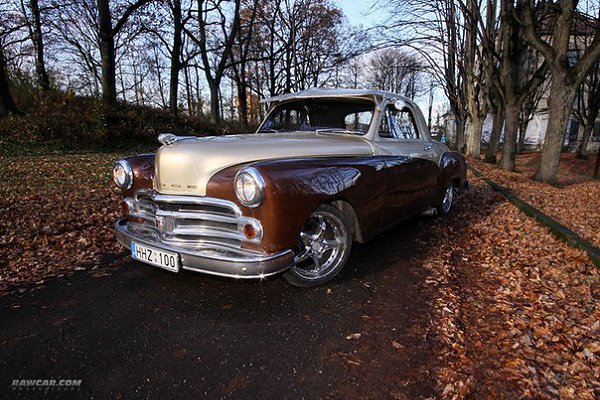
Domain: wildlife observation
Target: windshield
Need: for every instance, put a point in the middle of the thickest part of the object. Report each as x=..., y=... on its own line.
x=321, y=115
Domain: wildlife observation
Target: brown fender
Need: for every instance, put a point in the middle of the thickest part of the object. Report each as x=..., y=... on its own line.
x=296, y=187
x=453, y=168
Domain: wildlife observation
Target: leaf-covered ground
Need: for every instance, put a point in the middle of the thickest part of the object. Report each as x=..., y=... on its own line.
x=575, y=202
x=56, y=216
x=515, y=312
x=518, y=310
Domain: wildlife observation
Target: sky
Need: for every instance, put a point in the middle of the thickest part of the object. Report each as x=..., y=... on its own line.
x=360, y=12
x=370, y=13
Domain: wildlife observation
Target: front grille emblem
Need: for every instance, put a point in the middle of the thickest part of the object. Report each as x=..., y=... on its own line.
x=160, y=223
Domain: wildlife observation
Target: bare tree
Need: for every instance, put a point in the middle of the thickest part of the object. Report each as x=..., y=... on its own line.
x=75, y=30
x=215, y=37
x=519, y=77
x=587, y=99
x=496, y=134
x=528, y=110
x=241, y=55
x=34, y=26
x=565, y=78
x=477, y=60
x=106, y=33
x=435, y=29
x=397, y=70
x=178, y=23
x=7, y=105
x=588, y=108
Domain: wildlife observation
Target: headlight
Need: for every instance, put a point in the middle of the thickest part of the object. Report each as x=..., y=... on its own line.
x=249, y=187
x=123, y=174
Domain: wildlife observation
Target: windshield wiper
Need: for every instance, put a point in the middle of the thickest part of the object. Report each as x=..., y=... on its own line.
x=267, y=130
x=338, y=130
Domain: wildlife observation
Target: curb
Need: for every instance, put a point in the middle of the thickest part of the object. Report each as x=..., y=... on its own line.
x=560, y=231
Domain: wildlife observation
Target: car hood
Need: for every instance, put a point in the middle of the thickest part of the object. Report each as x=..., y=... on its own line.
x=186, y=166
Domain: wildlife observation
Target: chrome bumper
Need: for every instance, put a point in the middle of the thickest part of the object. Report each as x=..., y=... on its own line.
x=215, y=260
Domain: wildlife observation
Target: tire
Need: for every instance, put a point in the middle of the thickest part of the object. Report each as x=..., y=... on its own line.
x=324, y=246
x=445, y=207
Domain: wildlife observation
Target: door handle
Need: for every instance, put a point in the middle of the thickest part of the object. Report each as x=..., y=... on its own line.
x=428, y=147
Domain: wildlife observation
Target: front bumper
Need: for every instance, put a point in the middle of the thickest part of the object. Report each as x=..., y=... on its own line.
x=232, y=263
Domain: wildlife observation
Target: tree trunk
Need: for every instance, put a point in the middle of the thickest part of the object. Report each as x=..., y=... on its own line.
x=7, y=106
x=243, y=102
x=597, y=167
x=188, y=92
x=107, y=53
x=507, y=162
x=38, y=44
x=460, y=134
x=175, y=56
x=490, y=154
x=585, y=140
x=474, y=136
x=560, y=102
x=215, y=109
x=523, y=123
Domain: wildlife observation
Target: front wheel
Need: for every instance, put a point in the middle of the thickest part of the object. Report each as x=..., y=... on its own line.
x=323, y=248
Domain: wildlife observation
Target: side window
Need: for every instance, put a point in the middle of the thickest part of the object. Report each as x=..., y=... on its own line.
x=358, y=121
x=398, y=124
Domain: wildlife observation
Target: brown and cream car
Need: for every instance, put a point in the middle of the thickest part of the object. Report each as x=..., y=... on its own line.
x=325, y=169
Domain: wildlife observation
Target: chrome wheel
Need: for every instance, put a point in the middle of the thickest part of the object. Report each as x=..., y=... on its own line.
x=448, y=199
x=323, y=246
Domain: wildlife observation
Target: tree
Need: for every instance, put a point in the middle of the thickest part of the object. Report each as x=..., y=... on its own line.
x=34, y=26
x=398, y=71
x=587, y=100
x=175, y=6
x=519, y=77
x=496, y=134
x=528, y=109
x=565, y=77
x=10, y=27
x=215, y=38
x=597, y=167
x=436, y=30
x=240, y=57
x=106, y=34
x=588, y=107
x=7, y=105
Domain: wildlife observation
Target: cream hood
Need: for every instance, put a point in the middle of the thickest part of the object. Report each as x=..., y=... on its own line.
x=186, y=166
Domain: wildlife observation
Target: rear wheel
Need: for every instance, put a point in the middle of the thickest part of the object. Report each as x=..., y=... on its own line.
x=323, y=248
x=445, y=206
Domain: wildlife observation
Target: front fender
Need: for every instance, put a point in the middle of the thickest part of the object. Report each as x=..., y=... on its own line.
x=294, y=188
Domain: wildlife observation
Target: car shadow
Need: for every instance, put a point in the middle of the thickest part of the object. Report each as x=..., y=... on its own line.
x=137, y=331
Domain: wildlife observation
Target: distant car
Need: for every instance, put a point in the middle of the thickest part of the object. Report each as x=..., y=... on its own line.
x=326, y=168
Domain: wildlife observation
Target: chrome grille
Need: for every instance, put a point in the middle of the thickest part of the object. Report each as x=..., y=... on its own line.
x=189, y=221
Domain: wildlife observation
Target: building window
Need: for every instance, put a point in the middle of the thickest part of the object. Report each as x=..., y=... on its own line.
x=573, y=130
x=573, y=57
x=596, y=134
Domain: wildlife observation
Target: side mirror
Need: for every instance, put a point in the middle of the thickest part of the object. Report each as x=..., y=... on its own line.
x=399, y=104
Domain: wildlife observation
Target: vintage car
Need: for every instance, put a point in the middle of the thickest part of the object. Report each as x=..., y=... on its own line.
x=326, y=168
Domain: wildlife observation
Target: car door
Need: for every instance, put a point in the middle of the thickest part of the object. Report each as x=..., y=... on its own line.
x=411, y=168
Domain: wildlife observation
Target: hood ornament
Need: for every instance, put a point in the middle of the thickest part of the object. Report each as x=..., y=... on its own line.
x=167, y=138
x=170, y=138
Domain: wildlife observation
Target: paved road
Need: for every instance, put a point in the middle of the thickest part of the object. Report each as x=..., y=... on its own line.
x=144, y=333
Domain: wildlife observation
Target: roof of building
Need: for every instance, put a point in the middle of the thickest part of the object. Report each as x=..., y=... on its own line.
x=547, y=16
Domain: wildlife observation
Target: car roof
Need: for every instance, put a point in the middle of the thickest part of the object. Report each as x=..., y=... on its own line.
x=379, y=95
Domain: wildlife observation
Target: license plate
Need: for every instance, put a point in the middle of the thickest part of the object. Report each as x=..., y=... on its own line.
x=158, y=258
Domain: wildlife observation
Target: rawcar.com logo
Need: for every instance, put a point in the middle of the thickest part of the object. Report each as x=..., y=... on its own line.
x=46, y=384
